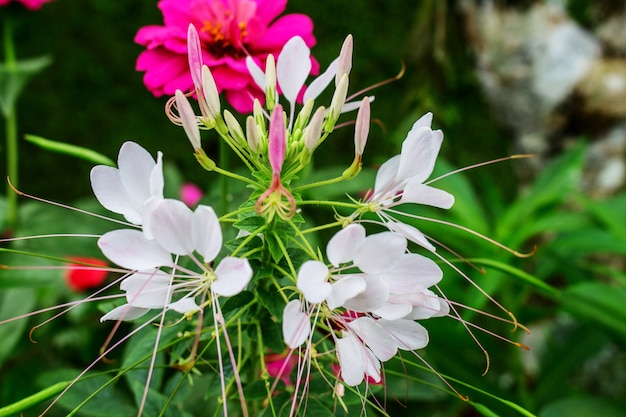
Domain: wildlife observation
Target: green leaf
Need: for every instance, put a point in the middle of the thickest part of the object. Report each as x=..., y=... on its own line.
x=250, y=224
x=19, y=406
x=483, y=410
x=518, y=273
x=13, y=79
x=108, y=402
x=598, y=303
x=582, y=407
x=71, y=150
x=13, y=303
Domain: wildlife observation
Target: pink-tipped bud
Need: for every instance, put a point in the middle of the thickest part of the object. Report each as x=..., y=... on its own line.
x=194, y=55
x=277, y=139
x=339, y=99
x=313, y=131
x=188, y=119
x=344, y=64
x=362, y=127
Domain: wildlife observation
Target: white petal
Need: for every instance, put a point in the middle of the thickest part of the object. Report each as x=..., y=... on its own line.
x=319, y=84
x=353, y=105
x=384, y=186
x=372, y=365
x=418, y=193
x=156, y=178
x=107, y=187
x=411, y=233
x=148, y=289
x=393, y=311
x=426, y=304
x=379, y=252
x=124, y=312
x=344, y=289
x=376, y=293
x=136, y=165
x=296, y=324
x=206, y=233
x=171, y=225
x=412, y=272
x=313, y=281
x=343, y=245
x=233, y=275
x=418, y=155
x=424, y=121
x=293, y=67
x=375, y=337
x=352, y=357
x=256, y=72
x=130, y=249
x=184, y=305
x=407, y=334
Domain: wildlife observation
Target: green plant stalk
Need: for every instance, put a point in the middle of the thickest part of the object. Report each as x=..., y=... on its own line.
x=11, y=130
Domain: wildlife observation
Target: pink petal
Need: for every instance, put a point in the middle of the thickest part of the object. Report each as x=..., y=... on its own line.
x=277, y=139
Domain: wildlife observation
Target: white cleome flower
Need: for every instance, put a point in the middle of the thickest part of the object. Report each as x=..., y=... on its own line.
x=174, y=230
x=128, y=189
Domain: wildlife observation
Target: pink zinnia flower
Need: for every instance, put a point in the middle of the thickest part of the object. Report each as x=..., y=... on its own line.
x=230, y=30
x=29, y=4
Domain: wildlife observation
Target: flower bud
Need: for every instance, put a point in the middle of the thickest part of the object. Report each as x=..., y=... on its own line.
x=252, y=134
x=211, y=94
x=344, y=64
x=362, y=127
x=336, y=105
x=271, y=96
x=188, y=119
x=313, y=131
x=194, y=56
x=234, y=128
x=277, y=139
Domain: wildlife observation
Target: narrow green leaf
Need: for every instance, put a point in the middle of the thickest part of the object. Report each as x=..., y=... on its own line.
x=71, y=150
x=518, y=273
x=13, y=79
x=598, y=303
x=17, y=407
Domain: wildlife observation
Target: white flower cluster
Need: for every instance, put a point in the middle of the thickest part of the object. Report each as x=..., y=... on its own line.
x=169, y=231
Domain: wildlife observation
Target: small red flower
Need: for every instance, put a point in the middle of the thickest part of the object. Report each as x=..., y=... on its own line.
x=85, y=273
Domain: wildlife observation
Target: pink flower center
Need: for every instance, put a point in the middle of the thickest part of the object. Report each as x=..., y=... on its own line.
x=225, y=26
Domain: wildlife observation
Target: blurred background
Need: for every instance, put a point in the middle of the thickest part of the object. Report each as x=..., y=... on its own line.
x=546, y=78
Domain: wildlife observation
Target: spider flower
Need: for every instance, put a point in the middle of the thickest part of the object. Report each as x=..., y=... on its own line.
x=229, y=30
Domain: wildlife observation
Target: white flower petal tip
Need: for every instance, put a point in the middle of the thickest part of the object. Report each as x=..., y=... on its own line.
x=313, y=281
x=131, y=249
x=296, y=324
x=233, y=275
x=343, y=245
x=126, y=190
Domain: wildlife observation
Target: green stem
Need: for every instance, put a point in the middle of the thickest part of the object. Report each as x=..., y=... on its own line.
x=11, y=129
x=224, y=179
